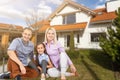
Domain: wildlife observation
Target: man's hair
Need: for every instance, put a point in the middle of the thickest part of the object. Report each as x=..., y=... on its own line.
x=27, y=28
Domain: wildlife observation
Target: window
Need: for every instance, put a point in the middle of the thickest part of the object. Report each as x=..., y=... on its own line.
x=95, y=36
x=69, y=19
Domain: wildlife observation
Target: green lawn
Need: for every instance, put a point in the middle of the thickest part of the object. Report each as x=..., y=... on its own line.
x=91, y=65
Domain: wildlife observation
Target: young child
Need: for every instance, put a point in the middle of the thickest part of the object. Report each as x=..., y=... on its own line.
x=43, y=60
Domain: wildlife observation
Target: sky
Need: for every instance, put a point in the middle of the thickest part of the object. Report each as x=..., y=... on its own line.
x=16, y=11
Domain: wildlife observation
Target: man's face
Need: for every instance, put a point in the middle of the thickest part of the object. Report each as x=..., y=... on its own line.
x=27, y=34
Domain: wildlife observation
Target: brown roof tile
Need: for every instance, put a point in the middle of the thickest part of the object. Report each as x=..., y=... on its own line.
x=103, y=15
x=7, y=26
x=76, y=26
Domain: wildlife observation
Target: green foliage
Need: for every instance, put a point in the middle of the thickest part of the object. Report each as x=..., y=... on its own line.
x=3, y=53
x=72, y=40
x=73, y=54
x=111, y=44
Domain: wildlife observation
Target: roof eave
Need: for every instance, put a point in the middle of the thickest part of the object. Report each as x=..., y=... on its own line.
x=66, y=2
x=101, y=21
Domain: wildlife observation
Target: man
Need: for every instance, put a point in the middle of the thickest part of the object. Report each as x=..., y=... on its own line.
x=20, y=52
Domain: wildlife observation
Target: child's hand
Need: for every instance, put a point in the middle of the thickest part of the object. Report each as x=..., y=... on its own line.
x=39, y=68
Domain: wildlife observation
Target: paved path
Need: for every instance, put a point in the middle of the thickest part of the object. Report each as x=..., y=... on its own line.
x=1, y=68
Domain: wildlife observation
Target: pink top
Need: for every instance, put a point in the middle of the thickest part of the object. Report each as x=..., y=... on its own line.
x=53, y=50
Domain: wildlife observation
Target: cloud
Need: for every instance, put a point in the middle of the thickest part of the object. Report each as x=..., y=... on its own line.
x=100, y=6
x=19, y=9
x=11, y=13
x=56, y=2
x=107, y=0
x=44, y=8
x=101, y=0
x=13, y=9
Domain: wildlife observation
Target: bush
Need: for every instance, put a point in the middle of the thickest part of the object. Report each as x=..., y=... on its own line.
x=73, y=54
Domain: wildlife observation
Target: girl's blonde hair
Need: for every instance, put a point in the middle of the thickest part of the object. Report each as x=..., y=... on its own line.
x=53, y=29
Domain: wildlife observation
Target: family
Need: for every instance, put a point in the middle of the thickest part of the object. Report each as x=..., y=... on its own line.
x=51, y=59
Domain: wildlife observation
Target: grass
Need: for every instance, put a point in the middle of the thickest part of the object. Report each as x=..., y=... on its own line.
x=91, y=65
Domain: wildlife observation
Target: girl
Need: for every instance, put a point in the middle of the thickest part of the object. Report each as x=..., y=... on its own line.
x=43, y=60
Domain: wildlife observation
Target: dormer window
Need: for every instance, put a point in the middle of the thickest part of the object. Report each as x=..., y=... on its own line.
x=69, y=19
x=100, y=13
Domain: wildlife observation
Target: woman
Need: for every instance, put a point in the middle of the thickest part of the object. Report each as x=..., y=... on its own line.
x=58, y=56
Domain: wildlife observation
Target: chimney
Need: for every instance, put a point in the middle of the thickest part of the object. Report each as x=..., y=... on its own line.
x=112, y=5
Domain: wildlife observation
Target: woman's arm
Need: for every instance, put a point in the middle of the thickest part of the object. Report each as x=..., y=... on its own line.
x=62, y=50
x=50, y=65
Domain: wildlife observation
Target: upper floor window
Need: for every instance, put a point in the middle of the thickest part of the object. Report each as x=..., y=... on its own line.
x=69, y=19
x=95, y=37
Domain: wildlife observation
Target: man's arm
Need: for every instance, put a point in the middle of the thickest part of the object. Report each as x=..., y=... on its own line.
x=12, y=55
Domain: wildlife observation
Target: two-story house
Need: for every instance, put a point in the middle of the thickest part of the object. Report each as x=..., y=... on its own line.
x=86, y=24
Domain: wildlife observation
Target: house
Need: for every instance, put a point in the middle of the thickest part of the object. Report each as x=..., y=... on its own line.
x=86, y=24
x=7, y=33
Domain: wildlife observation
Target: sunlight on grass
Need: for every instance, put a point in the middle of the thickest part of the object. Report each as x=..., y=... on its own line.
x=90, y=64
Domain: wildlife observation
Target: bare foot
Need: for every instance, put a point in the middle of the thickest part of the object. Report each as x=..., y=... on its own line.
x=75, y=74
x=42, y=75
x=63, y=77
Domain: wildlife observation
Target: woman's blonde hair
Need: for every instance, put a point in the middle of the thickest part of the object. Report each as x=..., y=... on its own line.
x=53, y=29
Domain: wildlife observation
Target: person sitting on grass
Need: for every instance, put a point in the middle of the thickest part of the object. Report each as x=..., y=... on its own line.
x=43, y=60
x=19, y=51
x=58, y=56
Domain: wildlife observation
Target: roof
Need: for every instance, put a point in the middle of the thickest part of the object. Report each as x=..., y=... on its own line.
x=10, y=27
x=73, y=4
x=69, y=27
x=103, y=15
x=100, y=15
x=7, y=26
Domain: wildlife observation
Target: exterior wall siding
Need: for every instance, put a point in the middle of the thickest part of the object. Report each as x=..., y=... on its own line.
x=112, y=5
x=82, y=17
x=67, y=9
x=57, y=20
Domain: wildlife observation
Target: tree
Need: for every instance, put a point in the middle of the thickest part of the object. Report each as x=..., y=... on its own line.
x=35, y=22
x=111, y=44
x=72, y=41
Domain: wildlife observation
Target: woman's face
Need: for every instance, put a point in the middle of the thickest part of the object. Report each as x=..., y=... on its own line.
x=40, y=49
x=50, y=35
x=27, y=34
